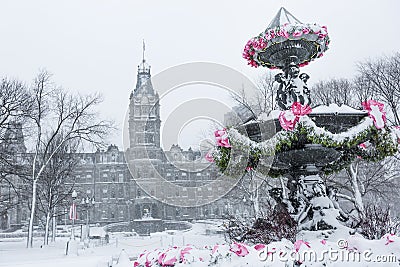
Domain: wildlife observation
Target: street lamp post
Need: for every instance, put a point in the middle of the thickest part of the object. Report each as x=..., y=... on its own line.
x=73, y=213
x=87, y=203
x=128, y=204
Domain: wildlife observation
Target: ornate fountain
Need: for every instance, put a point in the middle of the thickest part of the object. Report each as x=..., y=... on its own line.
x=298, y=142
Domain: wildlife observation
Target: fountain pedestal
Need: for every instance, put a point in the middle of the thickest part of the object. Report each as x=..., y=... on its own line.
x=309, y=202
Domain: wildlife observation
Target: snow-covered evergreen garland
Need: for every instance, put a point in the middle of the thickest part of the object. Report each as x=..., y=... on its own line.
x=364, y=140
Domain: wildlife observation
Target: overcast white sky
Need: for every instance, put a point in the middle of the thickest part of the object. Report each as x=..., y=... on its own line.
x=96, y=45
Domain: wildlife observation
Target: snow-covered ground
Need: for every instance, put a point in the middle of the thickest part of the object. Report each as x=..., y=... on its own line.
x=202, y=245
x=13, y=251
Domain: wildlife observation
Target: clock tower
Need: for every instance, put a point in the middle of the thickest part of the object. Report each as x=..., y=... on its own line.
x=144, y=116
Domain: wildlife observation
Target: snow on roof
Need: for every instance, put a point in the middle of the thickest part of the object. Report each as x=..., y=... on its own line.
x=334, y=108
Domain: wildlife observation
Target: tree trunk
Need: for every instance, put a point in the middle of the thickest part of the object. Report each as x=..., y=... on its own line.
x=29, y=242
x=352, y=172
x=255, y=202
x=53, y=234
x=47, y=227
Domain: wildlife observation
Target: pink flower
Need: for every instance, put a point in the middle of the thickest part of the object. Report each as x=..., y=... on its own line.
x=248, y=168
x=259, y=247
x=299, y=110
x=268, y=36
x=161, y=258
x=209, y=157
x=166, y=262
x=271, y=34
x=253, y=63
x=222, y=138
x=283, y=33
x=297, y=34
x=215, y=248
x=298, y=244
x=239, y=249
x=135, y=264
x=262, y=44
x=220, y=133
x=148, y=262
x=388, y=240
x=376, y=112
x=363, y=145
x=321, y=36
x=170, y=262
x=201, y=259
x=323, y=242
x=223, y=142
x=288, y=120
x=249, y=44
x=184, y=252
x=306, y=31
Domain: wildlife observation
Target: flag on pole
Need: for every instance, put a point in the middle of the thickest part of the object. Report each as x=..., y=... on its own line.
x=72, y=212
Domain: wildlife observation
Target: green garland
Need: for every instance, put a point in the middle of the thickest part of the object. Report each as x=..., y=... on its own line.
x=381, y=145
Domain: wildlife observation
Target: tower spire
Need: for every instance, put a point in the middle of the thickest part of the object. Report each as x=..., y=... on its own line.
x=144, y=48
x=143, y=67
x=143, y=84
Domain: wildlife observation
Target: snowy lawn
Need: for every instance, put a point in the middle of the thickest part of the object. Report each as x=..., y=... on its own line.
x=13, y=251
x=200, y=246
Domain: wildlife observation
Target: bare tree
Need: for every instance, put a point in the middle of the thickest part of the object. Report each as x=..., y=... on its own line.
x=57, y=181
x=265, y=97
x=58, y=115
x=338, y=91
x=14, y=105
x=363, y=181
x=382, y=76
x=262, y=102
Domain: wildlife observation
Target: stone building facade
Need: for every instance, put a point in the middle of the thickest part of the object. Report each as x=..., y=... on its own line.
x=111, y=180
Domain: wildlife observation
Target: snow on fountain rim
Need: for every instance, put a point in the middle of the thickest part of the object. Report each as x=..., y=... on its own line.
x=322, y=109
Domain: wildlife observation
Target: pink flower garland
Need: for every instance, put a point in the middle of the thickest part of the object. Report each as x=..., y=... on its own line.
x=287, y=31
